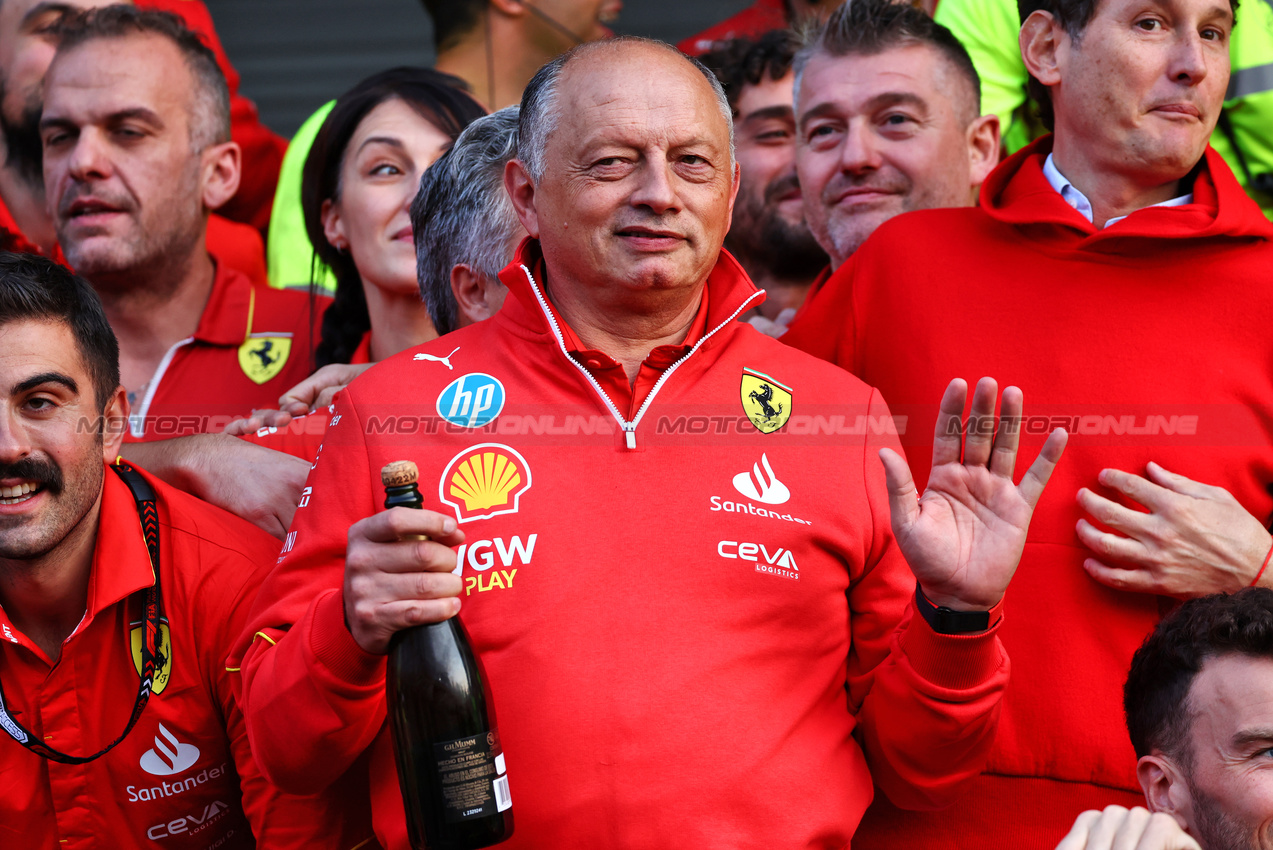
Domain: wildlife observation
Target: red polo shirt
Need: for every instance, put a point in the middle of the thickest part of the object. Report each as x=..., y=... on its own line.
x=184, y=777
x=609, y=372
x=252, y=344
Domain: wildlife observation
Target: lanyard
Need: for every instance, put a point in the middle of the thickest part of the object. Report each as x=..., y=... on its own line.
x=152, y=611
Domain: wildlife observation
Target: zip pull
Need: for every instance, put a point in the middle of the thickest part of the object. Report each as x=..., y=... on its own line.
x=630, y=435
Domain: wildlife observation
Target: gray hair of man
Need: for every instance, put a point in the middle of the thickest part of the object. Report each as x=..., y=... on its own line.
x=462, y=213
x=539, y=100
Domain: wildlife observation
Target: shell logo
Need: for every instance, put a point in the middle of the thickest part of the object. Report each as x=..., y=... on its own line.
x=483, y=481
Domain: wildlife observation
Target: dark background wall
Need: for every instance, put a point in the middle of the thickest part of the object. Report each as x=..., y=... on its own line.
x=295, y=55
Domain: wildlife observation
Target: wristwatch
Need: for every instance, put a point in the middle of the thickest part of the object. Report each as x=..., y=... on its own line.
x=946, y=621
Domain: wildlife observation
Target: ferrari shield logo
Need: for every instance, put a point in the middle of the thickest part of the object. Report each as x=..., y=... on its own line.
x=766, y=402
x=163, y=664
x=263, y=357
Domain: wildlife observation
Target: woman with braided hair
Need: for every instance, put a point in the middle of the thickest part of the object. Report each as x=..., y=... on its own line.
x=359, y=179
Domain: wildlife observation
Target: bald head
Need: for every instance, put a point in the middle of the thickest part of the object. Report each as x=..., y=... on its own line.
x=540, y=111
x=629, y=190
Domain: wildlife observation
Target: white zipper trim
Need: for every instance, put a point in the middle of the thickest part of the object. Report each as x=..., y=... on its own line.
x=629, y=428
x=137, y=419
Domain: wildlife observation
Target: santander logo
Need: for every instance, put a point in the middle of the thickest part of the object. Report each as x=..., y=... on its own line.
x=762, y=486
x=168, y=758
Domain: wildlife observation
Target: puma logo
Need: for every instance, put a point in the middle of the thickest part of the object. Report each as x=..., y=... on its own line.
x=445, y=361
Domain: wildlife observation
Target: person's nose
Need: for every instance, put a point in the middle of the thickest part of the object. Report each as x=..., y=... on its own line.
x=1189, y=58
x=860, y=152
x=89, y=159
x=656, y=188
x=15, y=443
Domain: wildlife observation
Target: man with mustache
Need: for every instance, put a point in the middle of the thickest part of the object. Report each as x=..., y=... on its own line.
x=1117, y=270
x=705, y=636
x=119, y=597
x=136, y=154
x=768, y=234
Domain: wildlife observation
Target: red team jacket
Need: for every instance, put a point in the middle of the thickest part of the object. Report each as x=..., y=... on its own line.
x=695, y=631
x=252, y=345
x=184, y=778
x=1148, y=340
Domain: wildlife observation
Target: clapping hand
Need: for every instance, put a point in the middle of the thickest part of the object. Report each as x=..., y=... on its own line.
x=964, y=537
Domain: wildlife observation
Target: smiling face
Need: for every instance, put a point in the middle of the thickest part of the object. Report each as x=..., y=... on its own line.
x=638, y=185
x=123, y=181
x=1230, y=774
x=379, y=175
x=769, y=215
x=879, y=135
x=51, y=440
x=1140, y=91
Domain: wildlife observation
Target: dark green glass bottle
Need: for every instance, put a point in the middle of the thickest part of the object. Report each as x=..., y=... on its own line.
x=450, y=762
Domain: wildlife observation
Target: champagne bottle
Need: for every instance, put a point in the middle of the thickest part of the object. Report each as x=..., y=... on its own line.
x=450, y=762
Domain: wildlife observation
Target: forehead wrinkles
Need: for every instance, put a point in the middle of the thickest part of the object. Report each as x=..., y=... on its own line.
x=632, y=103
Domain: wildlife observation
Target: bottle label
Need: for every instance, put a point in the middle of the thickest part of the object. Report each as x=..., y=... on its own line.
x=471, y=771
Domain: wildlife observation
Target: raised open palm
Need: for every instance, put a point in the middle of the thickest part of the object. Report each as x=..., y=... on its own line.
x=963, y=538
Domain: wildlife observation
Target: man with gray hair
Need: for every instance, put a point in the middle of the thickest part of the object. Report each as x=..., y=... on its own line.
x=137, y=152
x=888, y=120
x=743, y=685
x=465, y=227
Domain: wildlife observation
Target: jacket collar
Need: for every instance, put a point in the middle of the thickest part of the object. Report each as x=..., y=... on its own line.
x=1018, y=193
x=121, y=561
x=228, y=317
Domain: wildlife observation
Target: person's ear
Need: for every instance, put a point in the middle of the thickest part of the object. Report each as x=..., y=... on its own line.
x=114, y=424
x=222, y=169
x=1041, y=40
x=1166, y=789
x=983, y=149
x=333, y=225
x=733, y=192
x=508, y=8
x=521, y=191
x=474, y=295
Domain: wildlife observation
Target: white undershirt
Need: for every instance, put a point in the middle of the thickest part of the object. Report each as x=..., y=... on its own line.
x=1072, y=196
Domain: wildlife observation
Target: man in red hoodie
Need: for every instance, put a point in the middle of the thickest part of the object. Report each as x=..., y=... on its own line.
x=677, y=563
x=1115, y=270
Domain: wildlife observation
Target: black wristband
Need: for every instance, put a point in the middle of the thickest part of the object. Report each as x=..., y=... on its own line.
x=945, y=621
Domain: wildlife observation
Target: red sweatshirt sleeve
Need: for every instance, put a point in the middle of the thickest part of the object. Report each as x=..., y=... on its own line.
x=927, y=704
x=306, y=684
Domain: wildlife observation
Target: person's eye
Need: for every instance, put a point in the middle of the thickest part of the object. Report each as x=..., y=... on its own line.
x=897, y=119
x=1214, y=34
x=386, y=168
x=40, y=404
x=1149, y=24
x=694, y=159
x=129, y=133
x=774, y=136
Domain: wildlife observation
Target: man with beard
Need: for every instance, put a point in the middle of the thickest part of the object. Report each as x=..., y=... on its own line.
x=136, y=152
x=28, y=40
x=1199, y=707
x=118, y=599
x=768, y=234
x=889, y=120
